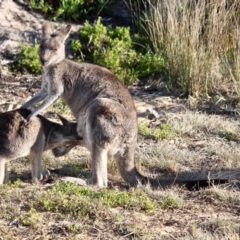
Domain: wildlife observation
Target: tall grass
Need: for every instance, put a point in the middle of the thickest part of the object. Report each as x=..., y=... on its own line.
x=200, y=42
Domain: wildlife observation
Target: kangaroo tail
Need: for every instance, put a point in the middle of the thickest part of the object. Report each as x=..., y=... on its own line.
x=133, y=177
x=188, y=184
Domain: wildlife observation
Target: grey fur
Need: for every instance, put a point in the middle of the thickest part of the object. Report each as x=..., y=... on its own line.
x=21, y=138
x=101, y=104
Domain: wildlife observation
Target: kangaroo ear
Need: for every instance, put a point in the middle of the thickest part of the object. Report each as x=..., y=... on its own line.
x=65, y=32
x=46, y=28
x=63, y=120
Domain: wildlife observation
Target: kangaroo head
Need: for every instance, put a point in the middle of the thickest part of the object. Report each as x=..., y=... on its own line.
x=63, y=134
x=52, y=45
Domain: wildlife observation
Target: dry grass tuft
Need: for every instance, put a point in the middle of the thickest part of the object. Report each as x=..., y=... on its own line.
x=199, y=41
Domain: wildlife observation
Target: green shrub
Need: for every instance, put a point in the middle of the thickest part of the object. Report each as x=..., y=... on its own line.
x=70, y=9
x=28, y=59
x=114, y=48
x=40, y=5
x=76, y=48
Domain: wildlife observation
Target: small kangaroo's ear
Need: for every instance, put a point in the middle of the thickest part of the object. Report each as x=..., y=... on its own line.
x=63, y=120
x=46, y=28
x=65, y=32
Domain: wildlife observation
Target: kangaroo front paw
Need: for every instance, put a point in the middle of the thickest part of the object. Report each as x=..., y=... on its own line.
x=23, y=120
x=45, y=175
x=29, y=117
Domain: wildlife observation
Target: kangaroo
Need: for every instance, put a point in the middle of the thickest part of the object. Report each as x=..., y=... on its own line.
x=20, y=138
x=103, y=107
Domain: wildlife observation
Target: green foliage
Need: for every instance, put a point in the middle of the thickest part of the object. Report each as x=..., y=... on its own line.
x=28, y=59
x=110, y=47
x=60, y=107
x=70, y=9
x=114, y=48
x=29, y=219
x=165, y=131
x=16, y=183
x=76, y=46
x=171, y=200
x=81, y=201
x=40, y=5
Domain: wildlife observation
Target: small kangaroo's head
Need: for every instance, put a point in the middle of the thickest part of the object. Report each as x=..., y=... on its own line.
x=62, y=135
x=52, y=45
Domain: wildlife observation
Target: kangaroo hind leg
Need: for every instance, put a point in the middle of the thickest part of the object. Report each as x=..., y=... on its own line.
x=36, y=161
x=102, y=132
x=3, y=170
x=99, y=167
x=126, y=166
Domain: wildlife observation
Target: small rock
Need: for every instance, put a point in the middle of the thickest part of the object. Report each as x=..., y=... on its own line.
x=76, y=180
x=14, y=223
x=152, y=114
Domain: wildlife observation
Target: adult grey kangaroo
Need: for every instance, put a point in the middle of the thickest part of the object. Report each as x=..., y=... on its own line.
x=102, y=105
x=20, y=138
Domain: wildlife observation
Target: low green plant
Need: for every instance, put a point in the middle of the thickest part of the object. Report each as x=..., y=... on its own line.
x=40, y=5
x=30, y=219
x=17, y=183
x=76, y=48
x=71, y=199
x=165, y=131
x=70, y=9
x=115, y=49
x=60, y=107
x=171, y=200
x=28, y=59
x=74, y=228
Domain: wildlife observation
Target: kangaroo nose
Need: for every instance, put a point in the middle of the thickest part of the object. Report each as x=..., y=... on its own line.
x=44, y=56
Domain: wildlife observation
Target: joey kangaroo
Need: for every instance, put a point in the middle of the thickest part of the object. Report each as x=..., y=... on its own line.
x=20, y=138
x=103, y=107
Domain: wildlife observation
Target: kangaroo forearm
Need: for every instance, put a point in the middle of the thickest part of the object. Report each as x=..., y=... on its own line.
x=45, y=104
x=35, y=99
